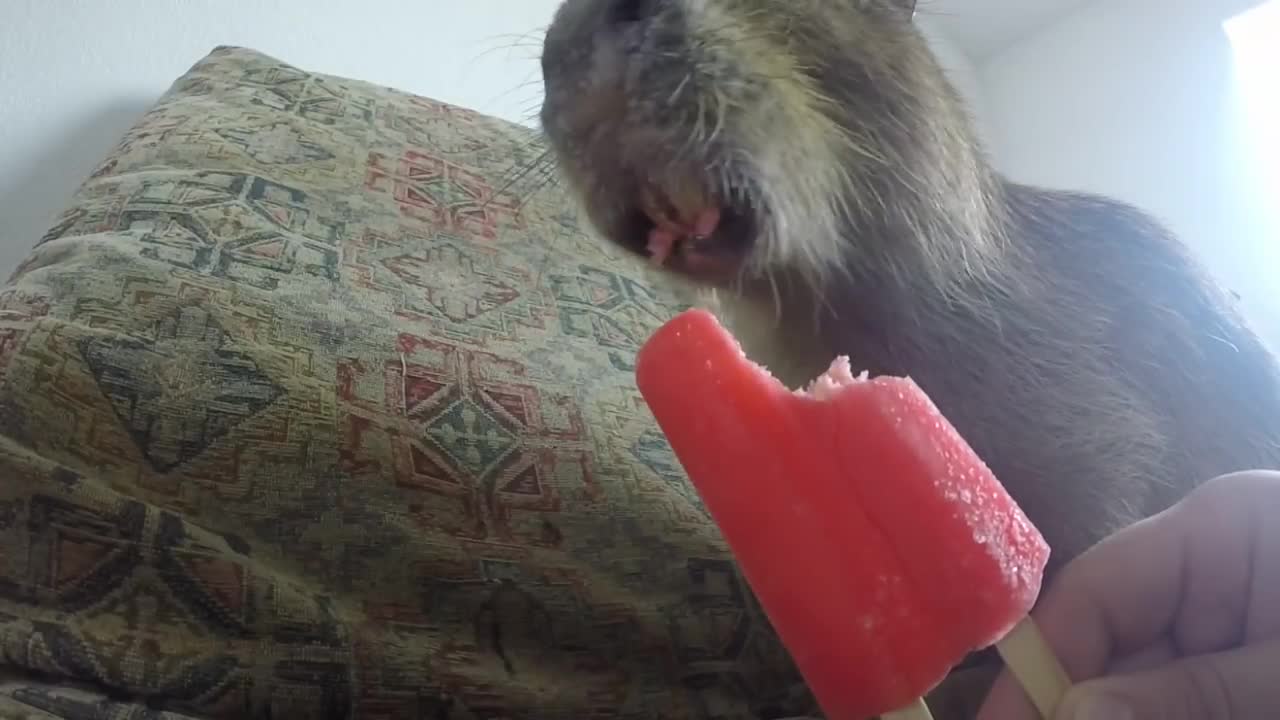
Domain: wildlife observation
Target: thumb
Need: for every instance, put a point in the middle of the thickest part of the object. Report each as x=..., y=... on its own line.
x=1237, y=685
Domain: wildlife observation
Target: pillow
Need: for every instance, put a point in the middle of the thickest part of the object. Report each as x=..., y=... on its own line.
x=318, y=402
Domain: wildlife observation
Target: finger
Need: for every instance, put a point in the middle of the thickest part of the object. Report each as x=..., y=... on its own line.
x=1076, y=614
x=1007, y=701
x=1115, y=599
x=1127, y=594
x=1222, y=536
x=1162, y=652
x=1186, y=574
x=1236, y=685
x=1263, y=613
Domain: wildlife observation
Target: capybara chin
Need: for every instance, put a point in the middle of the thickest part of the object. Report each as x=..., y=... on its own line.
x=809, y=161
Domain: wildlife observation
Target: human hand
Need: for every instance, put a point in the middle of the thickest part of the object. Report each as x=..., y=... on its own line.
x=1175, y=617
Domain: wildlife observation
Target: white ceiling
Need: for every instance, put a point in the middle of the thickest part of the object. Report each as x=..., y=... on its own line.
x=984, y=27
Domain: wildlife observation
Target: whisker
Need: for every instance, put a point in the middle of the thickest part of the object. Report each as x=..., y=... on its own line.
x=675, y=94
x=519, y=175
x=532, y=79
x=777, y=297
x=720, y=119
x=548, y=178
x=517, y=40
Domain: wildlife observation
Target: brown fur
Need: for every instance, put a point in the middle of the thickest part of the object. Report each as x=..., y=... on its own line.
x=1070, y=338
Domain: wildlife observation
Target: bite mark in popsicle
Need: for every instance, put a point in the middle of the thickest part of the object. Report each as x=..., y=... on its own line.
x=882, y=549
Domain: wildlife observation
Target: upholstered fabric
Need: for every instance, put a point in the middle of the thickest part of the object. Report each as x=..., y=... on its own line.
x=313, y=405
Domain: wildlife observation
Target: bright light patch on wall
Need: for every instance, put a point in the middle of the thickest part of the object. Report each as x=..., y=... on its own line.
x=1255, y=41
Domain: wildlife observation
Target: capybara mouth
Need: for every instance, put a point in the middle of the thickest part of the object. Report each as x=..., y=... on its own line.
x=700, y=235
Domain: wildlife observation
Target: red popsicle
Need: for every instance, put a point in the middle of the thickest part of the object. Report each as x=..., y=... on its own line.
x=882, y=548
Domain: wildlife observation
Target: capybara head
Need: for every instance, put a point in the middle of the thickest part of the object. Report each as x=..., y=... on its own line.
x=731, y=138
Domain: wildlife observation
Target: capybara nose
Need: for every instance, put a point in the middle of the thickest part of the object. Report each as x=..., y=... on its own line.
x=623, y=12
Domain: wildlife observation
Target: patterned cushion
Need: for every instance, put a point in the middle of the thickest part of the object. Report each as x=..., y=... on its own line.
x=314, y=405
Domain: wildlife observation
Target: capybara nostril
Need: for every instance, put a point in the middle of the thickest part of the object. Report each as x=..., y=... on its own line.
x=623, y=12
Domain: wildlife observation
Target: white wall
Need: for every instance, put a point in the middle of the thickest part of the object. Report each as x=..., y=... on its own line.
x=75, y=74
x=1135, y=99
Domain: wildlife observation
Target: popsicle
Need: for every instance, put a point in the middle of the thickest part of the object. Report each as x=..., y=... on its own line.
x=881, y=547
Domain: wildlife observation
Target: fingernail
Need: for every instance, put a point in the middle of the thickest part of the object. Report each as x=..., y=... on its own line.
x=1101, y=706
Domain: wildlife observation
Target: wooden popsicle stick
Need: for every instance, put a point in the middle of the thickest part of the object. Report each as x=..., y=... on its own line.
x=1033, y=663
x=915, y=711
